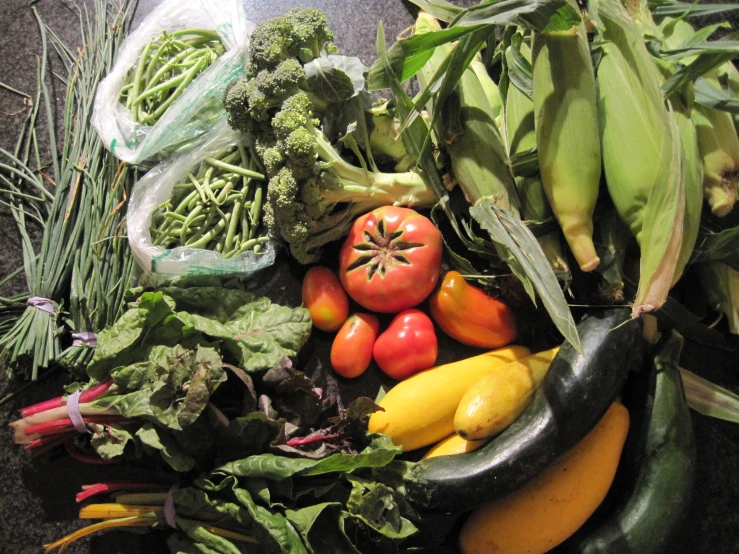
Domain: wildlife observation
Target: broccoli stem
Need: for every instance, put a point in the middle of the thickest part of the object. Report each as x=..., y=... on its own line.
x=371, y=188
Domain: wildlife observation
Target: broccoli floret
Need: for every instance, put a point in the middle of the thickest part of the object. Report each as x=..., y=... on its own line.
x=301, y=33
x=313, y=194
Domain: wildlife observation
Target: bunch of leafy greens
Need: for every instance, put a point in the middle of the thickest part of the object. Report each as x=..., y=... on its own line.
x=297, y=506
x=166, y=357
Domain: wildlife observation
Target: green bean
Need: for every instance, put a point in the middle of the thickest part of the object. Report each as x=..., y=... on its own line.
x=193, y=214
x=255, y=213
x=165, y=86
x=251, y=244
x=189, y=76
x=212, y=35
x=151, y=80
x=198, y=187
x=135, y=89
x=210, y=235
x=235, y=169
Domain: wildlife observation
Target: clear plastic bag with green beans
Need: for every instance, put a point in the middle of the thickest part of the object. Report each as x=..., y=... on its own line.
x=166, y=88
x=200, y=213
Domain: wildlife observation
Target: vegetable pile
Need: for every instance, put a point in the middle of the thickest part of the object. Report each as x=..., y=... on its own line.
x=557, y=155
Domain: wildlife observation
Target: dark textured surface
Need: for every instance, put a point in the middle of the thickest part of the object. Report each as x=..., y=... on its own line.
x=37, y=496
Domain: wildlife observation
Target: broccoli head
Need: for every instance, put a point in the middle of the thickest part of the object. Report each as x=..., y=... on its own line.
x=301, y=33
x=313, y=193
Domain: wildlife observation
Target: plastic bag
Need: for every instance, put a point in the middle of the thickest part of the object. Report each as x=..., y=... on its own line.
x=154, y=189
x=199, y=108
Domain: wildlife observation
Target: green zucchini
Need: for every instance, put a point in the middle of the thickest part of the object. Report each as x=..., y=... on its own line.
x=658, y=467
x=575, y=393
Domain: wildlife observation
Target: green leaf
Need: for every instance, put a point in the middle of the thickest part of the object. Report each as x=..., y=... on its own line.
x=151, y=309
x=708, y=95
x=704, y=63
x=407, y=56
x=679, y=9
x=413, y=135
x=197, y=374
x=440, y=9
x=719, y=246
x=520, y=249
x=375, y=504
x=538, y=15
x=256, y=331
x=709, y=47
x=335, y=78
x=520, y=73
x=673, y=315
x=322, y=528
x=379, y=453
x=204, y=538
x=159, y=440
x=710, y=399
x=111, y=441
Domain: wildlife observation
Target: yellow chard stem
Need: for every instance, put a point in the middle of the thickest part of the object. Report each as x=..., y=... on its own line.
x=567, y=135
x=62, y=544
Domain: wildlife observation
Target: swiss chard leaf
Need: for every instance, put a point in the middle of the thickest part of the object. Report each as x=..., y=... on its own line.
x=154, y=439
x=379, y=453
x=256, y=331
x=322, y=528
x=376, y=505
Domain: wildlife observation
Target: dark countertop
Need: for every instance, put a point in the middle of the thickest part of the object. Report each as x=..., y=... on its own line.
x=37, y=496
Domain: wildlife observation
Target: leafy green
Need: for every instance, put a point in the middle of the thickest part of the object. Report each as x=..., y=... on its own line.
x=156, y=440
x=376, y=505
x=336, y=78
x=408, y=55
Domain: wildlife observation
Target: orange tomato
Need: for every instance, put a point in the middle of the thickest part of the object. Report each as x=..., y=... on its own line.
x=325, y=299
x=351, y=352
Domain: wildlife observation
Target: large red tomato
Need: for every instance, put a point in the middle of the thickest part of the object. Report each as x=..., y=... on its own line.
x=390, y=260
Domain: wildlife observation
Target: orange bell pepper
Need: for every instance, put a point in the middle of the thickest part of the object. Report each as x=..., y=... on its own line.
x=470, y=316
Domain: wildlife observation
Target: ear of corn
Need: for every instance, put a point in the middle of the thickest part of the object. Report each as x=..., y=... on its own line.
x=471, y=137
x=567, y=135
x=520, y=137
x=641, y=151
x=490, y=89
x=719, y=148
x=721, y=285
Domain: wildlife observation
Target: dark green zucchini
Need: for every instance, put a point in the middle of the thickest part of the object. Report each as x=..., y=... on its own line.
x=658, y=472
x=575, y=393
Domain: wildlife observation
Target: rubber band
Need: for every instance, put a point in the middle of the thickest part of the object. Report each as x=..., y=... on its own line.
x=170, y=515
x=73, y=407
x=85, y=338
x=41, y=303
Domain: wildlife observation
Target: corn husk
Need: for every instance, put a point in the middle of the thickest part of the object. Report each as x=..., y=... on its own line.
x=521, y=136
x=641, y=151
x=674, y=36
x=720, y=283
x=469, y=133
x=567, y=136
x=490, y=88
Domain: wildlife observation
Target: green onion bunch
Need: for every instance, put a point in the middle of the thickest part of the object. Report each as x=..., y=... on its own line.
x=84, y=265
x=218, y=206
x=168, y=64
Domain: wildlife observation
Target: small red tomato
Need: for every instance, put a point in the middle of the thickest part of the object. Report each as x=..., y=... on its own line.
x=351, y=352
x=325, y=298
x=407, y=346
x=390, y=260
